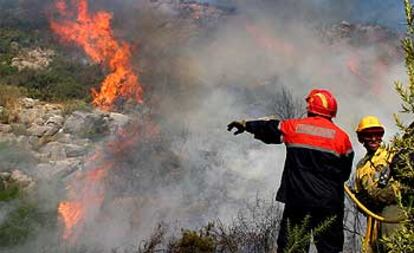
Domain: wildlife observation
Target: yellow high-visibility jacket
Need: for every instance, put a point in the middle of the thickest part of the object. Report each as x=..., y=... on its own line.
x=367, y=180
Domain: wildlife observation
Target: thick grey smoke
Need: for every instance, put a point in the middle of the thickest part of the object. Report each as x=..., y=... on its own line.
x=199, y=77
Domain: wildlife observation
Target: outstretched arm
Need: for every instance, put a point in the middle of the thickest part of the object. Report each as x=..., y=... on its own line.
x=266, y=130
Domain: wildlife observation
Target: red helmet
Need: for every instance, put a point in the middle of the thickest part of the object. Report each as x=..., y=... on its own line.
x=321, y=102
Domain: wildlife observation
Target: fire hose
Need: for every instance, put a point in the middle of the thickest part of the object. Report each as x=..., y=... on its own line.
x=371, y=233
x=368, y=212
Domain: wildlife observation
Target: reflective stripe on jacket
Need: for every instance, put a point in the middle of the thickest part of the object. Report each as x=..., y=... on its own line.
x=318, y=160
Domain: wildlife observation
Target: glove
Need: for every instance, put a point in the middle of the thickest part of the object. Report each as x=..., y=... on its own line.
x=384, y=176
x=240, y=125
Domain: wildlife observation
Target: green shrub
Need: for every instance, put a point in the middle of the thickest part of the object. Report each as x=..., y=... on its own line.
x=63, y=80
x=403, y=239
x=195, y=241
x=70, y=106
x=19, y=225
x=8, y=192
x=10, y=94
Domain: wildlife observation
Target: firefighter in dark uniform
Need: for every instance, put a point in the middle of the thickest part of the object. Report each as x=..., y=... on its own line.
x=318, y=162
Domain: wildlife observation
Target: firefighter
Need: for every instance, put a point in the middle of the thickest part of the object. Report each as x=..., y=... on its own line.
x=374, y=185
x=318, y=162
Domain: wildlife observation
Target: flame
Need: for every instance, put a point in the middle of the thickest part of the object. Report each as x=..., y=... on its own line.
x=89, y=196
x=94, y=34
x=86, y=193
x=71, y=213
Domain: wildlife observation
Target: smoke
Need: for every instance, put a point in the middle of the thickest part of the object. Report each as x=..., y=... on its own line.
x=199, y=77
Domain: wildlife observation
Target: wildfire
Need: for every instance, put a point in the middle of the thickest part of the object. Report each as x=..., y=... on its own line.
x=94, y=34
x=71, y=213
x=90, y=195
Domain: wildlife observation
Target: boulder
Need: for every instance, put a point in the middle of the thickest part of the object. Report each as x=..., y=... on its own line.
x=29, y=103
x=117, y=120
x=5, y=128
x=35, y=59
x=32, y=115
x=22, y=180
x=54, y=151
x=39, y=131
x=57, y=169
x=73, y=150
x=87, y=124
x=56, y=120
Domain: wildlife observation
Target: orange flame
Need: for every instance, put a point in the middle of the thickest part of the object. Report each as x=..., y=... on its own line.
x=71, y=213
x=87, y=192
x=94, y=34
x=88, y=196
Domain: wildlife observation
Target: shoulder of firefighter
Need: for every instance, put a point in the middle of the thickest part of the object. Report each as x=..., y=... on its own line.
x=311, y=132
x=374, y=183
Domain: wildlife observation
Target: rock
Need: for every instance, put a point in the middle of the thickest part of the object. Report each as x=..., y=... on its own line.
x=52, y=130
x=5, y=175
x=4, y=128
x=54, y=151
x=36, y=59
x=56, y=120
x=64, y=137
x=73, y=150
x=58, y=169
x=117, y=120
x=32, y=115
x=22, y=180
x=28, y=103
x=7, y=137
x=86, y=124
x=37, y=130
x=18, y=129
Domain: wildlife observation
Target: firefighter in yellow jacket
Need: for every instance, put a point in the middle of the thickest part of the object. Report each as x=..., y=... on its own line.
x=374, y=185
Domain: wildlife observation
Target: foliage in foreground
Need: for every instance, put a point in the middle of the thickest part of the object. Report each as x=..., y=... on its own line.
x=403, y=240
x=254, y=230
x=22, y=216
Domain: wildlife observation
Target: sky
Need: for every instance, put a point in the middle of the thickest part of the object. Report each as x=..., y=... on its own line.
x=385, y=12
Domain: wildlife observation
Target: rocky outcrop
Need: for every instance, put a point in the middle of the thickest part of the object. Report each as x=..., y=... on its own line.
x=58, y=143
x=200, y=12
x=34, y=59
x=359, y=34
x=16, y=177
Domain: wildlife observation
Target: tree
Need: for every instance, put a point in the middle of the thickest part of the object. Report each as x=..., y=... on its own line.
x=403, y=239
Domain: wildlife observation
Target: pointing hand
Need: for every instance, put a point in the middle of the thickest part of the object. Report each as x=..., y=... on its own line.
x=239, y=125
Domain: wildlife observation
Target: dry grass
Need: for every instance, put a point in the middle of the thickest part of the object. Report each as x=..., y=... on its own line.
x=70, y=106
x=9, y=96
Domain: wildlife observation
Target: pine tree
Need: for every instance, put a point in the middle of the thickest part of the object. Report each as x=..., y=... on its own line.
x=403, y=239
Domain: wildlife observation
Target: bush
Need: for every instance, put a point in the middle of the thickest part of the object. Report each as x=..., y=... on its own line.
x=67, y=77
x=19, y=225
x=9, y=95
x=253, y=230
x=403, y=239
x=63, y=81
x=8, y=101
x=202, y=241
